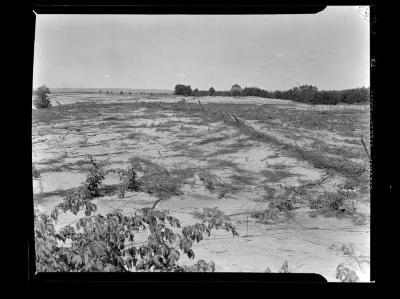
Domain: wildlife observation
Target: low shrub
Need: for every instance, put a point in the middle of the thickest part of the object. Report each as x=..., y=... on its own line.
x=128, y=178
x=42, y=100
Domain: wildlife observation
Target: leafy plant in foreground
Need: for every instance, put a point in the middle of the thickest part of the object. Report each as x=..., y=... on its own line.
x=95, y=178
x=80, y=198
x=108, y=242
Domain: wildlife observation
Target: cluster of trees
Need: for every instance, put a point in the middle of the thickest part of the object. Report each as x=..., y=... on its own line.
x=184, y=90
x=304, y=94
x=311, y=95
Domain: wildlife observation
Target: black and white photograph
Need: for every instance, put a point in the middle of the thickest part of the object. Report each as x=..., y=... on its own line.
x=203, y=143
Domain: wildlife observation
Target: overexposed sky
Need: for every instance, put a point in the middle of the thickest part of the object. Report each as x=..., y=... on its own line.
x=329, y=49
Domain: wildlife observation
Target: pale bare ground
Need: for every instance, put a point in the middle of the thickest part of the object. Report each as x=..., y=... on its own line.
x=178, y=140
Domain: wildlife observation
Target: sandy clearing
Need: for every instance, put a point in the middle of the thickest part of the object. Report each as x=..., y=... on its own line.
x=176, y=146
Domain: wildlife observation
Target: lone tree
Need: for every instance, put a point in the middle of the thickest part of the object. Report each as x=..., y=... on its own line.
x=121, y=92
x=99, y=91
x=42, y=99
x=107, y=92
x=181, y=89
x=211, y=91
x=236, y=90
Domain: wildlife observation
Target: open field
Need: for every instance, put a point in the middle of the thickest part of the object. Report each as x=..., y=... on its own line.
x=254, y=151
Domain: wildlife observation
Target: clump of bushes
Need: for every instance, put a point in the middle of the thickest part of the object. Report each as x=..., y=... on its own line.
x=161, y=185
x=42, y=99
x=333, y=204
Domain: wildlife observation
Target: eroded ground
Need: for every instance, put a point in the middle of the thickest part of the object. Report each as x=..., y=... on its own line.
x=296, y=151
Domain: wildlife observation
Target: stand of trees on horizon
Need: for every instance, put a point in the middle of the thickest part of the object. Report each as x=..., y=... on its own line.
x=305, y=94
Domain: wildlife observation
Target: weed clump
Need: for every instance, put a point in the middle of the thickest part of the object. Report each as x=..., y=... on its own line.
x=213, y=184
x=161, y=185
x=35, y=172
x=156, y=179
x=334, y=204
x=344, y=274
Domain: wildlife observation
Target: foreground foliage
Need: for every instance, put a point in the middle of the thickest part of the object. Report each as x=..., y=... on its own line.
x=107, y=243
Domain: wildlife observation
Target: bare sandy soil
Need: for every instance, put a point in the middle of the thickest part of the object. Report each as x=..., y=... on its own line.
x=114, y=129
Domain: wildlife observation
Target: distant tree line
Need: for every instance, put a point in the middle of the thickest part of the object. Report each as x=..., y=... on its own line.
x=305, y=94
x=121, y=92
